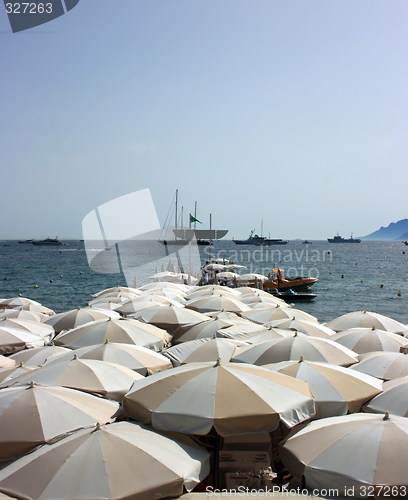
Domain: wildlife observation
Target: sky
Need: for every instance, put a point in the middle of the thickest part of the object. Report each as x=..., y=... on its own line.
x=293, y=112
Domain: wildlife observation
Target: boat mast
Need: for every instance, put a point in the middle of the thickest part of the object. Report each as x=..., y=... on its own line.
x=175, y=215
x=261, y=227
x=195, y=215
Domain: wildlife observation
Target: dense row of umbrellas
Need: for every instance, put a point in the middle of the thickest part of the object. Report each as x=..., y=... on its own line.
x=88, y=396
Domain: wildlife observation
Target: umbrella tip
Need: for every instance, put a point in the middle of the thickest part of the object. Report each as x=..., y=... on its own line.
x=20, y=365
x=218, y=362
x=386, y=416
x=364, y=312
x=373, y=328
x=32, y=384
x=75, y=356
x=106, y=341
x=296, y=334
x=98, y=427
x=301, y=359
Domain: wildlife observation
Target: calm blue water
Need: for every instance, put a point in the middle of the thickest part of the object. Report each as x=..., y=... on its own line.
x=364, y=268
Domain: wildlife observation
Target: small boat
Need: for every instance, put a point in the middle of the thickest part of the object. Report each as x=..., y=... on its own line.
x=307, y=242
x=290, y=296
x=26, y=241
x=47, y=242
x=277, y=282
x=339, y=239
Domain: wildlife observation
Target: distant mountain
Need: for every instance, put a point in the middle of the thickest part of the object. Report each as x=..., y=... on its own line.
x=394, y=231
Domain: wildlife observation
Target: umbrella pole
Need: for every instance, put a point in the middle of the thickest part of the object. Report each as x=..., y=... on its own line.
x=217, y=461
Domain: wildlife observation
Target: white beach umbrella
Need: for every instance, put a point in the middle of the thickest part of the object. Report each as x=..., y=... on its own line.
x=231, y=398
x=52, y=412
x=25, y=304
x=393, y=399
x=116, y=290
x=144, y=302
x=210, y=290
x=119, y=461
x=127, y=331
x=113, y=298
x=33, y=358
x=6, y=362
x=356, y=451
x=310, y=328
x=217, y=303
x=166, y=285
x=88, y=375
x=384, y=365
x=366, y=319
x=271, y=313
x=295, y=347
x=252, y=277
x=336, y=390
x=214, y=267
x=23, y=314
x=139, y=359
x=262, y=301
x=202, y=350
x=13, y=340
x=227, y=275
x=362, y=340
x=77, y=317
x=171, y=318
x=7, y=375
x=207, y=329
x=252, y=334
x=34, y=327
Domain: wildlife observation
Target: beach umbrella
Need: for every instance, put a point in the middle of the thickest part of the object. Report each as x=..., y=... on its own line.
x=393, y=399
x=136, y=358
x=166, y=285
x=110, y=306
x=113, y=298
x=227, y=275
x=31, y=415
x=7, y=375
x=336, y=390
x=217, y=303
x=262, y=301
x=310, y=328
x=231, y=398
x=34, y=358
x=251, y=334
x=15, y=339
x=116, y=290
x=26, y=304
x=210, y=290
x=366, y=319
x=34, y=327
x=234, y=266
x=119, y=461
x=201, y=350
x=295, y=347
x=89, y=375
x=229, y=316
x=127, y=331
x=248, y=291
x=77, y=317
x=363, y=340
x=170, y=293
x=214, y=267
x=384, y=365
x=6, y=362
x=271, y=313
x=207, y=329
x=358, y=452
x=23, y=314
x=144, y=302
x=173, y=319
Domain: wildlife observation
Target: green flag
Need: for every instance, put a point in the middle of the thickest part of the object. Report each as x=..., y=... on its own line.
x=193, y=219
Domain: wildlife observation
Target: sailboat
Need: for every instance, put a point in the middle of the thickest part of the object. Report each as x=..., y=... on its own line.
x=182, y=236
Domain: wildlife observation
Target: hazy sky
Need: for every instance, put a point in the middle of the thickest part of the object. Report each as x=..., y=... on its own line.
x=290, y=111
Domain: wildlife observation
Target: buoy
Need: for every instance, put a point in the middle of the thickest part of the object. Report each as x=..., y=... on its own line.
x=399, y=293
x=61, y=275
x=81, y=272
x=51, y=280
x=381, y=286
x=362, y=280
x=36, y=286
x=342, y=275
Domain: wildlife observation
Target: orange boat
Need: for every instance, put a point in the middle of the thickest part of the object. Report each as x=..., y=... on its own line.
x=278, y=282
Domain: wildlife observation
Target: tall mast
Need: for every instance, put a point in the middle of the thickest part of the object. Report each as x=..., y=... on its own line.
x=195, y=214
x=210, y=220
x=175, y=216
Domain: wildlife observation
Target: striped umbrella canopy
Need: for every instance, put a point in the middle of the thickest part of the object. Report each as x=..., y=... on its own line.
x=310, y=328
x=34, y=358
x=36, y=328
x=15, y=339
x=336, y=390
x=174, y=319
x=366, y=319
x=295, y=347
x=207, y=329
x=119, y=461
x=384, y=365
x=22, y=314
x=139, y=359
x=363, y=340
x=217, y=303
x=353, y=451
x=271, y=313
x=145, y=301
x=201, y=350
x=231, y=398
x=52, y=411
x=393, y=399
x=6, y=362
x=127, y=331
x=78, y=317
x=89, y=375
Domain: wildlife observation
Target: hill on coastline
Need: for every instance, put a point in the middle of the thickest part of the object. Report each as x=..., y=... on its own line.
x=394, y=231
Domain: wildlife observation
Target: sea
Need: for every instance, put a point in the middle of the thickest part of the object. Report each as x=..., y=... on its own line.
x=371, y=275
